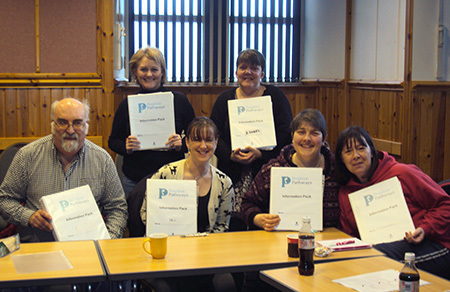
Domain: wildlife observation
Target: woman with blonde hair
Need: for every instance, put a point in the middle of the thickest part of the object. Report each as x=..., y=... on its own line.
x=148, y=69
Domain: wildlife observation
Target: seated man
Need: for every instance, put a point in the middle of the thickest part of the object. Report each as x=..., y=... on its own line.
x=61, y=161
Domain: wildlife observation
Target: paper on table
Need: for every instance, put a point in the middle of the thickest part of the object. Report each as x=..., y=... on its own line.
x=41, y=262
x=296, y=192
x=335, y=246
x=380, y=281
x=152, y=118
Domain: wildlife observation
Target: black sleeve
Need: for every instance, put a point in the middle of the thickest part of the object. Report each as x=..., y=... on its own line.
x=120, y=129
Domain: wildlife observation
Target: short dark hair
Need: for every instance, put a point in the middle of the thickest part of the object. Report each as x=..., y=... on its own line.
x=350, y=134
x=198, y=125
x=311, y=116
x=252, y=57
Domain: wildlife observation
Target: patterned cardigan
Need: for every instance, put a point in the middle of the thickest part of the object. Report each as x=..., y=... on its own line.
x=220, y=202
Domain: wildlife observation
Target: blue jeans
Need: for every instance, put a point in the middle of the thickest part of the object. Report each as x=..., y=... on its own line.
x=128, y=185
x=431, y=256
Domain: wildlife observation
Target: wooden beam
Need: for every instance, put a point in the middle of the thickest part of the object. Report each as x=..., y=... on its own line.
x=7, y=141
x=391, y=147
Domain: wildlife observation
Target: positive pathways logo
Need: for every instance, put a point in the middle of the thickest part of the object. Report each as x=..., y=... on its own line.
x=68, y=204
x=149, y=106
x=371, y=198
x=250, y=108
x=293, y=180
x=163, y=192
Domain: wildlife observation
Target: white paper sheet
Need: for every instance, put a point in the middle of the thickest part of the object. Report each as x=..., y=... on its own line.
x=152, y=118
x=41, y=262
x=296, y=192
x=251, y=123
x=171, y=206
x=381, y=213
x=381, y=281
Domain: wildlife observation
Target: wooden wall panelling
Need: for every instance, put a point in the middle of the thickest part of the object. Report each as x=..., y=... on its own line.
x=34, y=112
x=446, y=171
x=332, y=104
x=45, y=102
x=11, y=113
x=429, y=115
x=2, y=114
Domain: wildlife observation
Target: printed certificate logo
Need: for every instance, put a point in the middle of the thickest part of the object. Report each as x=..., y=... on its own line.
x=149, y=106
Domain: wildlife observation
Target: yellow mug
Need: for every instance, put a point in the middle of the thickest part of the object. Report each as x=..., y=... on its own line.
x=158, y=245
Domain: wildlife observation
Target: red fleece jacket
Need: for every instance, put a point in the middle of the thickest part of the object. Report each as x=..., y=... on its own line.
x=427, y=202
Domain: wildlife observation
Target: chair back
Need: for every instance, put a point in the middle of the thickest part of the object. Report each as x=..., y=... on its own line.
x=6, y=158
x=446, y=186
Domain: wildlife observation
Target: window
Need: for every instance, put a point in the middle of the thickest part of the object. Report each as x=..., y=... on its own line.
x=202, y=39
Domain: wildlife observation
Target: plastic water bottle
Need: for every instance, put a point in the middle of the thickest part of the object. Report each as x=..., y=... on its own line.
x=409, y=276
x=306, y=245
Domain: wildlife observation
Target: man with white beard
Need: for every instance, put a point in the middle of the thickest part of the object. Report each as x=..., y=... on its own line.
x=61, y=161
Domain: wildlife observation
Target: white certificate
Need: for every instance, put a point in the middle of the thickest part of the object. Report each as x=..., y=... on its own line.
x=152, y=118
x=381, y=213
x=75, y=215
x=296, y=192
x=251, y=123
x=171, y=206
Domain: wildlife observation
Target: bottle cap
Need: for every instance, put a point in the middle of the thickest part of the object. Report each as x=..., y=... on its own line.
x=306, y=219
x=410, y=256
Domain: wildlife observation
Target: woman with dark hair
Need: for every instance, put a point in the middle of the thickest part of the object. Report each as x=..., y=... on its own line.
x=360, y=165
x=243, y=164
x=308, y=149
x=148, y=69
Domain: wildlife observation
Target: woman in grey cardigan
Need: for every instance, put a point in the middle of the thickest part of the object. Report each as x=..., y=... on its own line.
x=214, y=188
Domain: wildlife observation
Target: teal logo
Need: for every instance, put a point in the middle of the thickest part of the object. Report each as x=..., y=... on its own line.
x=368, y=199
x=64, y=204
x=141, y=107
x=240, y=109
x=163, y=192
x=285, y=180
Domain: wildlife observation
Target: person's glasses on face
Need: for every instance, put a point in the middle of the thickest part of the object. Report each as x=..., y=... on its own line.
x=77, y=125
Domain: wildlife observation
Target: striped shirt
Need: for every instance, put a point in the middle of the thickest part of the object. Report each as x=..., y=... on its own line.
x=37, y=171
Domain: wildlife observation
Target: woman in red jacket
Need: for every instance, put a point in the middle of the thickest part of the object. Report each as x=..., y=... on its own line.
x=359, y=165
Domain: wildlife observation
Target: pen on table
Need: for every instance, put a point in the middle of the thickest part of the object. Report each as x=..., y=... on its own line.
x=195, y=234
x=344, y=242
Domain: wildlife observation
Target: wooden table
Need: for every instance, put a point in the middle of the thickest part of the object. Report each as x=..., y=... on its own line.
x=87, y=267
x=288, y=279
x=217, y=253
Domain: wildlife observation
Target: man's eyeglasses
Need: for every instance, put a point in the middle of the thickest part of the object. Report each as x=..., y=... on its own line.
x=64, y=125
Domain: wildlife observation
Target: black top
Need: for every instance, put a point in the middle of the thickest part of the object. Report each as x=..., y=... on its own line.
x=282, y=115
x=141, y=163
x=202, y=212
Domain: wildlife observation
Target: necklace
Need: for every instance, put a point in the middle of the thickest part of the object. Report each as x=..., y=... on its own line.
x=201, y=176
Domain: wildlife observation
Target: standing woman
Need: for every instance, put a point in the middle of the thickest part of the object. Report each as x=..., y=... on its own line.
x=148, y=68
x=360, y=165
x=243, y=164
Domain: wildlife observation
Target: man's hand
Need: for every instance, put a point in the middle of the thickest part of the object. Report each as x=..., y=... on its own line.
x=415, y=237
x=41, y=220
